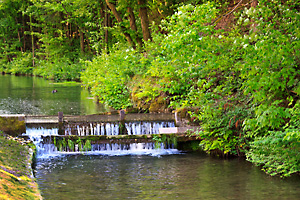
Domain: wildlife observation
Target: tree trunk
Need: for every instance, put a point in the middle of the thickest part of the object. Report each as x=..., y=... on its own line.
x=134, y=27
x=254, y=3
x=68, y=30
x=19, y=35
x=106, y=22
x=23, y=30
x=32, y=41
x=81, y=41
x=88, y=43
x=144, y=19
x=112, y=7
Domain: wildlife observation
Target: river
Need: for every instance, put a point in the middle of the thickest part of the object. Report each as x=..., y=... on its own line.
x=184, y=176
x=114, y=175
x=33, y=96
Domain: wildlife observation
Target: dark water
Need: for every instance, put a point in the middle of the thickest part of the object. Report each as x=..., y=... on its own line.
x=33, y=95
x=184, y=176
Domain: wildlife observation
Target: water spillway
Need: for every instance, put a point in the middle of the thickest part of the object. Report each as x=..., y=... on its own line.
x=80, y=138
x=116, y=128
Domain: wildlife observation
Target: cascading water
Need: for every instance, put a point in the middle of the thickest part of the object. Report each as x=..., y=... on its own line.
x=132, y=128
x=37, y=134
x=46, y=148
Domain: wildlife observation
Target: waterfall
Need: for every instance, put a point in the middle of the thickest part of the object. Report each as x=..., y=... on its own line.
x=37, y=134
x=132, y=128
x=44, y=139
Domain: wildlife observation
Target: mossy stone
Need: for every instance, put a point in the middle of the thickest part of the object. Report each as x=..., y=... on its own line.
x=12, y=126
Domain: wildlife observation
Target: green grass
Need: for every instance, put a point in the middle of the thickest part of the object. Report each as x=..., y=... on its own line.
x=15, y=170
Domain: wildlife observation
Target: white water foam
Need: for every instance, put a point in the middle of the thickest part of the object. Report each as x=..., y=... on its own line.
x=46, y=149
x=36, y=135
x=133, y=128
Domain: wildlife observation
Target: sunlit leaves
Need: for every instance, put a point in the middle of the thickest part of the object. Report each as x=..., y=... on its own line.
x=277, y=153
x=108, y=76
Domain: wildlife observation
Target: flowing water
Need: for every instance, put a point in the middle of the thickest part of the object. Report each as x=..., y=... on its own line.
x=140, y=171
x=183, y=176
x=135, y=171
x=46, y=148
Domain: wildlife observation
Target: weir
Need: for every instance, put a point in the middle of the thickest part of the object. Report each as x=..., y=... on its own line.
x=103, y=138
x=105, y=133
x=108, y=135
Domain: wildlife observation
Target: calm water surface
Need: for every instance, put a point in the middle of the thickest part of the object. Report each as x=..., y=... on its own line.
x=33, y=95
x=184, y=176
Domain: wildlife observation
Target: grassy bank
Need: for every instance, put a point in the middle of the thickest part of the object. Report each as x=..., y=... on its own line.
x=16, y=180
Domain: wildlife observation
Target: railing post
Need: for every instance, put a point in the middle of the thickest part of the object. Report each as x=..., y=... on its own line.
x=61, y=130
x=122, y=115
x=122, y=128
x=60, y=117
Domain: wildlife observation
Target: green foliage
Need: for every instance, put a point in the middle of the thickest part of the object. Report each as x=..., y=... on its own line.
x=62, y=69
x=222, y=130
x=79, y=143
x=270, y=65
x=108, y=76
x=277, y=153
x=71, y=145
x=22, y=64
x=173, y=59
x=87, y=146
x=164, y=139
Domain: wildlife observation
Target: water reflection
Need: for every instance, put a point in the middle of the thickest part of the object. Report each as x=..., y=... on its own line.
x=188, y=176
x=33, y=95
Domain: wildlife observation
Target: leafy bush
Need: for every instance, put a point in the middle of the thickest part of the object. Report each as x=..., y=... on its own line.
x=244, y=83
x=278, y=153
x=108, y=76
x=59, y=69
x=21, y=64
x=270, y=65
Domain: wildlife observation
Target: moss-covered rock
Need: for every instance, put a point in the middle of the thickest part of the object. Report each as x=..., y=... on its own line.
x=13, y=126
x=159, y=105
x=184, y=118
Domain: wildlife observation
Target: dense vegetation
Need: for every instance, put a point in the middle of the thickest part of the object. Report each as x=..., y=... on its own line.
x=233, y=65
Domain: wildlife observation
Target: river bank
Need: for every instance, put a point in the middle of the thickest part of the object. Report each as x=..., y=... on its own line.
x=16, y=177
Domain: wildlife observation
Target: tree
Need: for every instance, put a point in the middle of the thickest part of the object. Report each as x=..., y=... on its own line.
x=118, y=17
x=143, y=14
